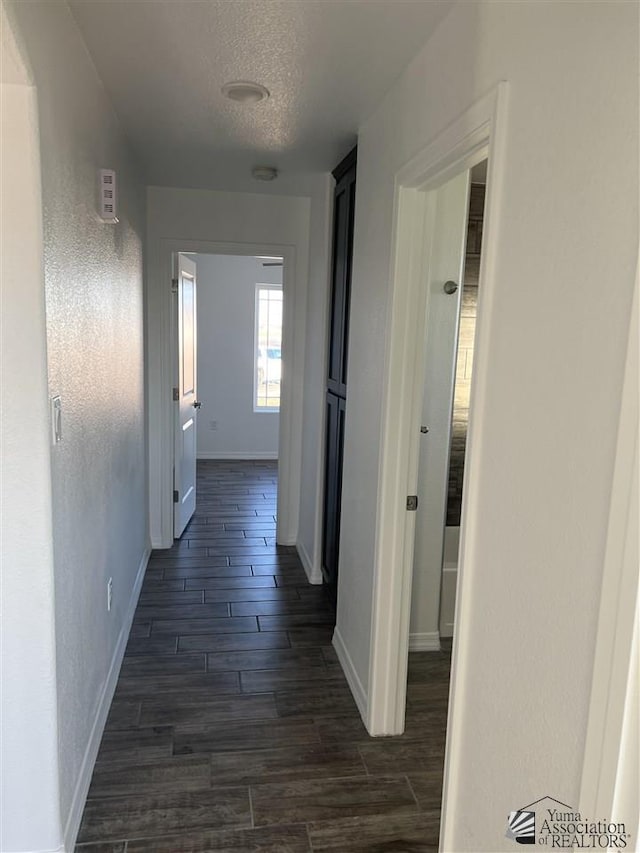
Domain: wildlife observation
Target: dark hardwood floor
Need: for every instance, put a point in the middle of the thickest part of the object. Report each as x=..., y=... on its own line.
x=232, y=727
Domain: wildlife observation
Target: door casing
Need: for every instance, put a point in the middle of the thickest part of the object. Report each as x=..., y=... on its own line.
x=478, y=134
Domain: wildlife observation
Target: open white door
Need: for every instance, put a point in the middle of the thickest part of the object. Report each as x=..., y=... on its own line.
x=443, y=312
x=184, y=394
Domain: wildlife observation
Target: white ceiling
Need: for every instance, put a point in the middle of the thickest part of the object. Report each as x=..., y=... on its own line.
x=327, y=64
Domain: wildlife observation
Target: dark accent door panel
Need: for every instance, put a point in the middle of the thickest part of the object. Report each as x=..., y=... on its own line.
x=341, y=285
x=336, y=409
x=344, y=208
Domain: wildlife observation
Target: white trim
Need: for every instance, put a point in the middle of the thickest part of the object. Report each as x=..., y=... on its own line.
x=247, y=455
x=477, y=133
x=81, y=790
x=459, y=147
x=160, y=418
x=427, y=641
x=314, y=573
x=353, y=680
x=618, y=600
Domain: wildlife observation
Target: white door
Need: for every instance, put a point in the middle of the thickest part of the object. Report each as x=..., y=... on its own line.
x=185, y=401
x=443, y=312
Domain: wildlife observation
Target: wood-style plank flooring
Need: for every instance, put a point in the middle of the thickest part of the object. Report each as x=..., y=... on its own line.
x=232, y=727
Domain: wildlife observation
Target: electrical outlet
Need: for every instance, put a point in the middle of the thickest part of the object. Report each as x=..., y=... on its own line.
x=109, y=593
x=213, y=426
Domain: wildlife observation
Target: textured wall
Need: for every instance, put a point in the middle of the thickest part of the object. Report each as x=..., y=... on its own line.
x=93, y=289
x=226, y=326
x=28, y=713
x=565, y=261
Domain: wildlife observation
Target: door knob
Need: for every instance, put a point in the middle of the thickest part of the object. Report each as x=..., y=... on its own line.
x=197, y=404
x=424, y=430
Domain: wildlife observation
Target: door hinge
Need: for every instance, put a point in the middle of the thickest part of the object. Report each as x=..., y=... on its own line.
x=412, y=503
x=174, y=285
x=176, y=395
x=176, y=496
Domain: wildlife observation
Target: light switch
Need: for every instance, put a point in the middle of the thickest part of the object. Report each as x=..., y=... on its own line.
x=56, y=419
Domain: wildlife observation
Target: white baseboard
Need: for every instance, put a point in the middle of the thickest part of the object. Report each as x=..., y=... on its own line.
x=241, y=455
x=314, y=574
x=353, y=680
x=428, y=641
x=86, y=770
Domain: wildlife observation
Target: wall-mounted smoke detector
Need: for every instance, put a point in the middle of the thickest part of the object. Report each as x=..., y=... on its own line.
x=108, y=196
x=264, y=173
x=245, y=92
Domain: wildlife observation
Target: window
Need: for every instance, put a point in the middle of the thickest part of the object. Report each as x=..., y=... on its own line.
x=268, y=348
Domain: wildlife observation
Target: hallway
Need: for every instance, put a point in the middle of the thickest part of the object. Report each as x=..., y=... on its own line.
x=232, y=726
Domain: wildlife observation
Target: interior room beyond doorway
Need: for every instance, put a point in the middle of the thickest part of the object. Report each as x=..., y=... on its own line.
x=240, y=300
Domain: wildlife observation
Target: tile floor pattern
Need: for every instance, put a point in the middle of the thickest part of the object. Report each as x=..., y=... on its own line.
x=232, y=727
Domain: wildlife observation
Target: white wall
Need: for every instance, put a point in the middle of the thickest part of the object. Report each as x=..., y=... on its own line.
x=226, y=332
x=201, y=220
x=93, y=295
x=28, y=714
x=568, y=218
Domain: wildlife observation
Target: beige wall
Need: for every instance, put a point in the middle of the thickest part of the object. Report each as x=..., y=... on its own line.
x=94, y=342
x=28, y=699
x=567, y=243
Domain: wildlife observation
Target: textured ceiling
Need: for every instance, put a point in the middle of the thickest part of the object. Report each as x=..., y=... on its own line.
x=327, y=63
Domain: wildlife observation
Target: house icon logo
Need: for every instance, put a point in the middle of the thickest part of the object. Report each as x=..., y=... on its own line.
x=521, y=826
x=521, y=823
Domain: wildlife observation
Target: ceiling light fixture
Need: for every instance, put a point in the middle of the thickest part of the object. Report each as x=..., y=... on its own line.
x=264, y=173
x=245, y=92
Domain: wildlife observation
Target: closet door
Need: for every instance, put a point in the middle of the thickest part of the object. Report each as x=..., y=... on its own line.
x=344, y=207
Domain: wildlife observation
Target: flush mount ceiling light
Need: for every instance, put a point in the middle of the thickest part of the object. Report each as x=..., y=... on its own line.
x=264, y=173
x=245, y=92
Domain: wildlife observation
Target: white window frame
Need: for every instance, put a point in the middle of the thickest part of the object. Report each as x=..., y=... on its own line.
x=256, y=344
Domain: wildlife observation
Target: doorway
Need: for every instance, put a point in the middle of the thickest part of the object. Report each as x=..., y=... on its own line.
x=162, y=376
x=232, y=347
x=468, y=312
x=477, y=135
x=448, y=367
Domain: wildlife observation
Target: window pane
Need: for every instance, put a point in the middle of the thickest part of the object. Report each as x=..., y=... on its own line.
x=188, y=340
x=268, y=355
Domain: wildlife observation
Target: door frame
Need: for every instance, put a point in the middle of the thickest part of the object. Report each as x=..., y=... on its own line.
x=161, y=448
x=478, y=134
x=482, y=128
